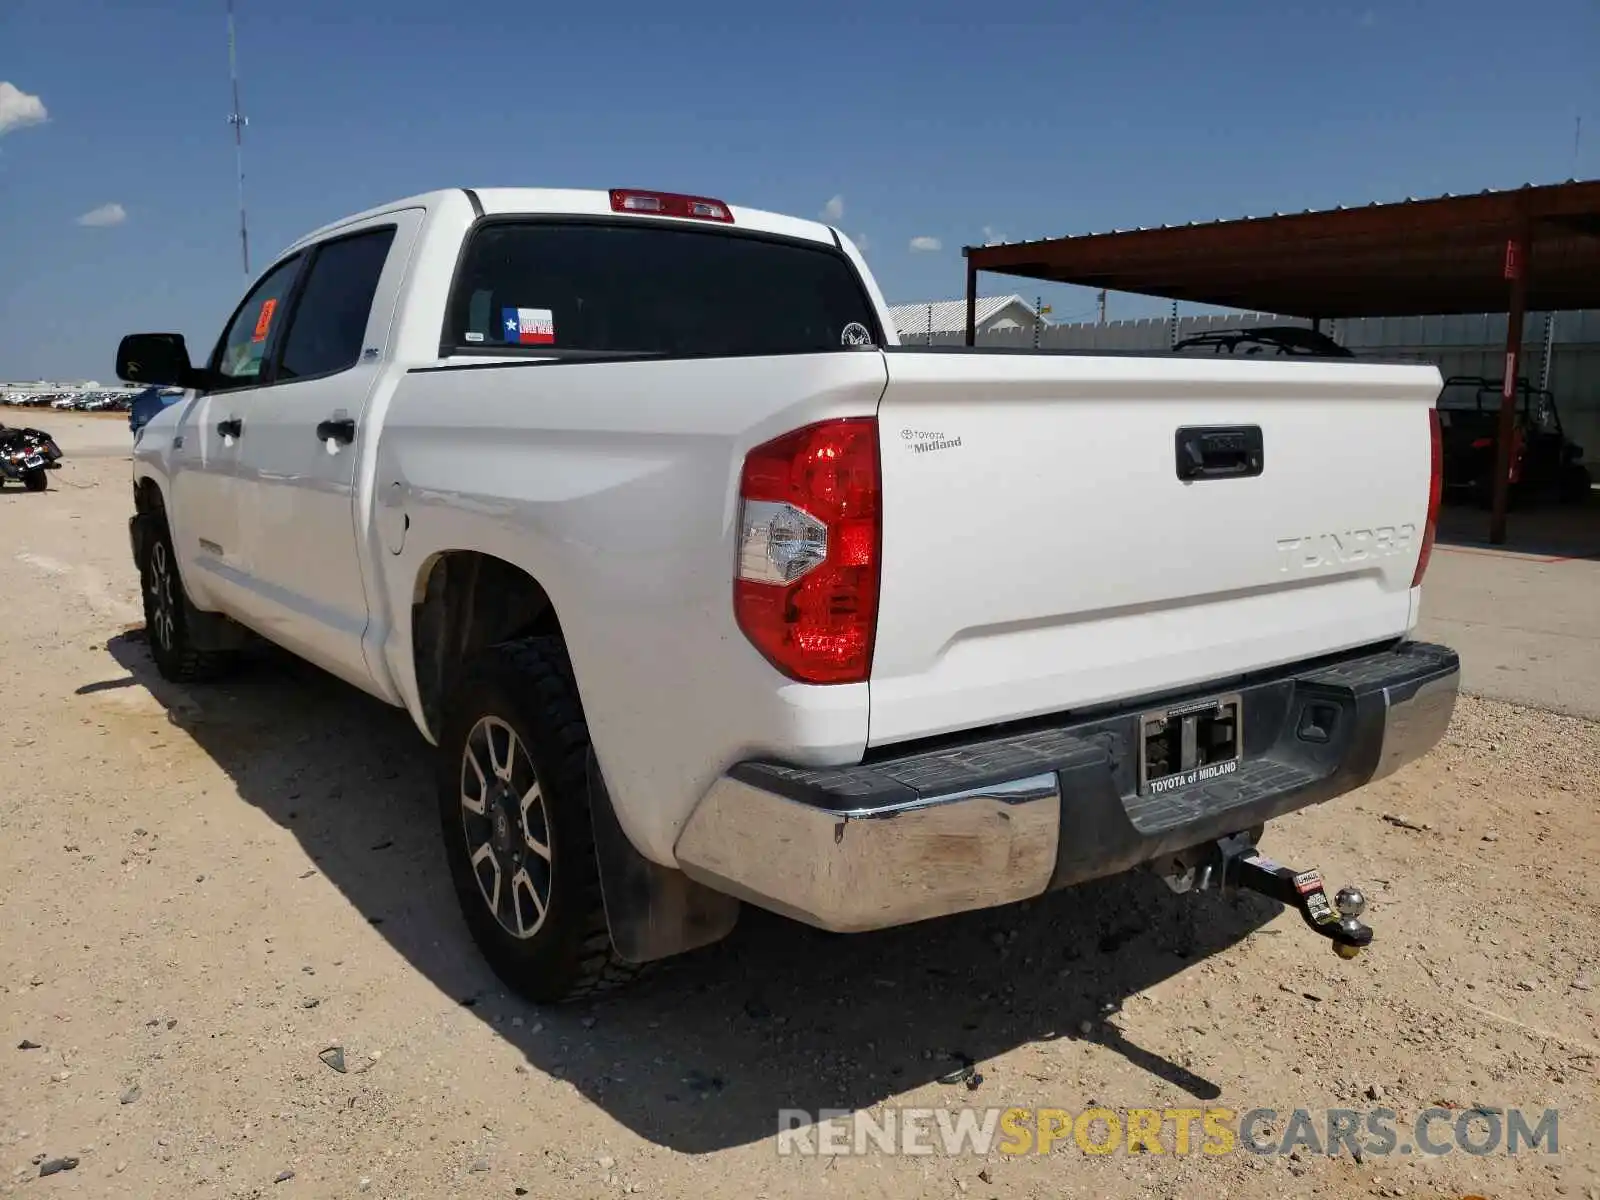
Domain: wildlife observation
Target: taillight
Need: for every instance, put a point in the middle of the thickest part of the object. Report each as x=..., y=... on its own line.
x=1435, y=491
x=805, y=590
x=670, y=204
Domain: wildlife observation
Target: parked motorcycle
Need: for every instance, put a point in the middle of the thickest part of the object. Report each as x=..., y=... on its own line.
x=27, y=456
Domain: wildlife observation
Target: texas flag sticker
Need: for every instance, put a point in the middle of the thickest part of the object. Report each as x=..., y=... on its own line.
x=528, y=326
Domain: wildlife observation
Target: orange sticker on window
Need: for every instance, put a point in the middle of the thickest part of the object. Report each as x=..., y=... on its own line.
x=264, y=321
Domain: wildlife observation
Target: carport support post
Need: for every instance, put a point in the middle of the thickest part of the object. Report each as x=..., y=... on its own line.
x=1516, y=270
x=972, y=302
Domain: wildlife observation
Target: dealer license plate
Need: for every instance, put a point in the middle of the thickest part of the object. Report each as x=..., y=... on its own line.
x=1189, y=743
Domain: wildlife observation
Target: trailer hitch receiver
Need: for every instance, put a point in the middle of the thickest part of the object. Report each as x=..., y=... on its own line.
x=1235, y=863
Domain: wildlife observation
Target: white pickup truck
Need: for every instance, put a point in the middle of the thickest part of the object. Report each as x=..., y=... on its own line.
x=708, y=591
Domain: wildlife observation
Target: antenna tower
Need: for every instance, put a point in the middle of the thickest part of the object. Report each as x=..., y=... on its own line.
x=238, y=120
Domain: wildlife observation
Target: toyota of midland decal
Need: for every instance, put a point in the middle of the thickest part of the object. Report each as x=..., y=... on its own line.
x=925, y=441
x=1183, y=779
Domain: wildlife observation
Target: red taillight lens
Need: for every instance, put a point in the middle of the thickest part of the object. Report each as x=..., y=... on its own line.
x=1435, y=491
x=670, y=204
x=805, y=590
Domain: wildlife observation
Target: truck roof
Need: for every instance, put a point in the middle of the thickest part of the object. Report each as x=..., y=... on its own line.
x=570, y=202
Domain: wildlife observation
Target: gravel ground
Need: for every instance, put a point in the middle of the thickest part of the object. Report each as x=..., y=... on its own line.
x=208, y=889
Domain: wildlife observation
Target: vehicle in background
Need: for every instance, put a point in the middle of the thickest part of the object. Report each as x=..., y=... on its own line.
x=1270, y=341
x=27, y=456
x=710, y=592
x=147, y=404
x=1545, y=463
x=100, y=401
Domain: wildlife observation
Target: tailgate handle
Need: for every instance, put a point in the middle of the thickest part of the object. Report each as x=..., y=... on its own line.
x=1219, y=452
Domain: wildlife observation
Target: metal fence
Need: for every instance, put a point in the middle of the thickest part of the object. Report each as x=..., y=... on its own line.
x=1460, y=345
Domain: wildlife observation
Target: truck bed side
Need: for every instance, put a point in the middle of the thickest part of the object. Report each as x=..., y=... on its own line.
x=614, y=485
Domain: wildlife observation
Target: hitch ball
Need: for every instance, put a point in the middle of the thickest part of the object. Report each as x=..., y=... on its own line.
x=1350, y=902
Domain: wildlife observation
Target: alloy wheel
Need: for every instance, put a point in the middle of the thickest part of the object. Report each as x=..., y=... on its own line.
x=506, y=826
x=163, y=615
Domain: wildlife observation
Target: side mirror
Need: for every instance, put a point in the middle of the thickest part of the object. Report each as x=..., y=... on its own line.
x=154, y=358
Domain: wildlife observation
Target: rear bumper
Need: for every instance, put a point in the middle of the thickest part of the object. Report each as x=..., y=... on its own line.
x=1004, y=818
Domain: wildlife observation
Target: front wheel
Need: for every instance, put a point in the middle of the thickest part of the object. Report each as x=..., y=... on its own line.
x=514, y=811
x=166, y=613
x=36, y=480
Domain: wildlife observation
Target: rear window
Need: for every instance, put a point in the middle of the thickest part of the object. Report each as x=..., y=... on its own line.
x=640, y=289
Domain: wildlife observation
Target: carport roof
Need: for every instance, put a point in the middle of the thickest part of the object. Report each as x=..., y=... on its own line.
x=1413, y=258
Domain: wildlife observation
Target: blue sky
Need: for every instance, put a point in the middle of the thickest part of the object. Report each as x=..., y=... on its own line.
x=941, y=121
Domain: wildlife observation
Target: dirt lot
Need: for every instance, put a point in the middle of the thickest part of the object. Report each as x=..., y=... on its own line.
x=203, y=889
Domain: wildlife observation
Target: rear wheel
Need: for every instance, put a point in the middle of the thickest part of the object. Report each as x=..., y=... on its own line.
x=166, y=613
x=514, y=811
x=36, y=480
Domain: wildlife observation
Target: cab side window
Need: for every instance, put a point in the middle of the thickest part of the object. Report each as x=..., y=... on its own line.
x=246, y=345
x=329, y=325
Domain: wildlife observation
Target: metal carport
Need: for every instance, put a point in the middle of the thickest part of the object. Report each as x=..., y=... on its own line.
x=1508, y=251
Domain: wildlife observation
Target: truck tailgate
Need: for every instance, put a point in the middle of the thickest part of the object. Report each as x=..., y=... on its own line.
x=1041, y=552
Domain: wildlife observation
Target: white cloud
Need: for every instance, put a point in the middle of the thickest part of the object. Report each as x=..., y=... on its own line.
x=106, y=214
x=926, y=245
x=862, y=244
x=992, y=236
x=833, y=210
x=18, y=109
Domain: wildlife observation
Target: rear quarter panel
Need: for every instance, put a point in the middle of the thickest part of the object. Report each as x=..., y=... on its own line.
x=615, y=485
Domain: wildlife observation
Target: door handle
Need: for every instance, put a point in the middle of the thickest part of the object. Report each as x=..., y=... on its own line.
x=1219, y=452
x=339, y=429
x=233, y=427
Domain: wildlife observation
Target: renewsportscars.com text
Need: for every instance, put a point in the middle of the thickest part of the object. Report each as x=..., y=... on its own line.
x=1375, y=1132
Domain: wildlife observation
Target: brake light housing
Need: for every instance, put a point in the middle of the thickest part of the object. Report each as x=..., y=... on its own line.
x=810, y=534
x=1435, y=492
x=670, y=204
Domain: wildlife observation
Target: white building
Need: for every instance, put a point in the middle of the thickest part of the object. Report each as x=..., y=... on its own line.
x=47, y=385
x=948, y=317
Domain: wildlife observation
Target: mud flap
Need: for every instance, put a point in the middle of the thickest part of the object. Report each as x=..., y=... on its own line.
x=652, y=911
x=212, y=631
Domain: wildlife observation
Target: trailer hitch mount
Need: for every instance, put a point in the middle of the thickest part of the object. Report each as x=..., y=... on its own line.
x=1234, y=864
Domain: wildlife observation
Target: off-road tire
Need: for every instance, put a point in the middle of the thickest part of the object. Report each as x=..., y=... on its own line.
x=528, y=685
x=36, y=480
x=166, y=613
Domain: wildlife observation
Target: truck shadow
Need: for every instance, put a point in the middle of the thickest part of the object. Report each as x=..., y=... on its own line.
x=704, y=1052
